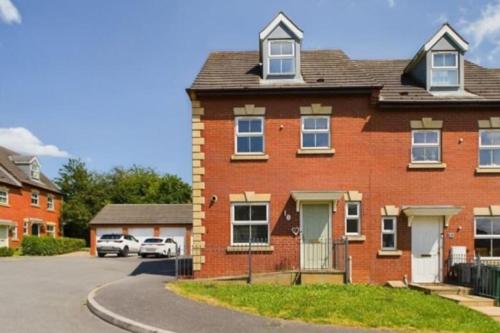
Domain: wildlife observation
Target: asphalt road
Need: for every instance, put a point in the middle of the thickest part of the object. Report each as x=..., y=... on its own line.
x=48, y=294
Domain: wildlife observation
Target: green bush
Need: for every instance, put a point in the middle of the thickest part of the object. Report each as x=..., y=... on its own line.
x=49, y=246
x=6, y=252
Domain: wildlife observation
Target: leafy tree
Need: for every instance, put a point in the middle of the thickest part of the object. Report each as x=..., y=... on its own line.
x=86, y=192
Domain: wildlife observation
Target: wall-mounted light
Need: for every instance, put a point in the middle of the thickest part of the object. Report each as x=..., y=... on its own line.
x=213, y=199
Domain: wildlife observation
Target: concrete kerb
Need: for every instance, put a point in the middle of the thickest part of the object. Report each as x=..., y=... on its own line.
x=116, y=319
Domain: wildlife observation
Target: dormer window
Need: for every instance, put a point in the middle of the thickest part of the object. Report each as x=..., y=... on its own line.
x=281, y=57
x=445, y=69
x=35, y=170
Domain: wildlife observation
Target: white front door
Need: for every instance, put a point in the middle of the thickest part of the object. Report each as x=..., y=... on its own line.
x=4, y=236
x=316, y=240
x=426, y=249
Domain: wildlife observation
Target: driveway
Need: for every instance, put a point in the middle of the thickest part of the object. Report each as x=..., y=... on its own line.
x=48, y=294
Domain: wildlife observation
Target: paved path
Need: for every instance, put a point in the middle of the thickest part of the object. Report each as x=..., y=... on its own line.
x=48, y=294
x=155, y=306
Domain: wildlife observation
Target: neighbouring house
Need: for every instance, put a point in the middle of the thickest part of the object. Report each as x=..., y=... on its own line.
x=145, y=220
x=30, y=204
x=294, y=150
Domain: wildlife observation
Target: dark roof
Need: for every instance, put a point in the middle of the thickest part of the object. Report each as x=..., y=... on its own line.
x=320, y=69
x=15, y=172
x=117, y=214
x=495, y=71
x=481, y=84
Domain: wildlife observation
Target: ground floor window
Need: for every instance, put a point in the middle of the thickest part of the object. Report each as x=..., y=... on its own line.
x=352, y=218
x=51, y=230
x=14, y=232
x=487, y=237
x=389, y=233
x=26, y=228
x=250, y=222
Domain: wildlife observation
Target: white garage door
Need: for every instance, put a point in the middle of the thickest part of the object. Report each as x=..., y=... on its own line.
x=141, y=233
x=107, y=230
x=177, y=234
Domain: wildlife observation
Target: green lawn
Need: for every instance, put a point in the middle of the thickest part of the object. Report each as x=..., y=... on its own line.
x=352, y=305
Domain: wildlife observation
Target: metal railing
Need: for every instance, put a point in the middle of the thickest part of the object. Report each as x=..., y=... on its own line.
x=480, y=274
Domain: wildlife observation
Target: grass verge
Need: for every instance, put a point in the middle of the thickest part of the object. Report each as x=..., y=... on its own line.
x=352, y=305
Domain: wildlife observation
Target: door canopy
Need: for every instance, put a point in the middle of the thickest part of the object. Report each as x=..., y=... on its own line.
x=316, y=197
x=445, y=211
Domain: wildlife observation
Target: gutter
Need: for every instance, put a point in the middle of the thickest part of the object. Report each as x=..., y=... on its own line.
x=439, y=104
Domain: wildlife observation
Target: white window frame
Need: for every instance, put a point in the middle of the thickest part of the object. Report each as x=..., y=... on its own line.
x=394, y=232
x=281, y=56
x=490, y=237
x=424, y=145
x=15, y=235
x=26, y=228
x=35, y=170
x=487, y=147
x=233, y=222
x=352, y=217
x=315, y=131
x=433, y=67
x=50, y=202
x=249, y=134
x=51, y=232
x=37, y=194
x=6, y=191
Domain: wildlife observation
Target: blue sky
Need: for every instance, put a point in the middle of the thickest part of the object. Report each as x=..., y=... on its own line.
x=105, y=80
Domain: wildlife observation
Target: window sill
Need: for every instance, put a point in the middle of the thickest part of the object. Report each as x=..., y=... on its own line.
x=4, y=205
x=427, y=166
x=390, y=253
x=255, y=157
x=51, y=210
x=316, y=151
x=356, y=238
x=487, y=170
x=35, y=206
x=244, y=248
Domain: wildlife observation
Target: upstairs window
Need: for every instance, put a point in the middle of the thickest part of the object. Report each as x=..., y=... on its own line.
x=250, y=222
x=4, y=196
x=444, y=69
x=489, y=148
x=282, y=57
x=35, y=198
x=249, y=135
x=35, y=170
x=425, y=146
x=50, y=202
x=315, y=132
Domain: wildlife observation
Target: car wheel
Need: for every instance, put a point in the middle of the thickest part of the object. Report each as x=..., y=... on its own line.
x=143, y=255
x=101, y=254
x=125, y=251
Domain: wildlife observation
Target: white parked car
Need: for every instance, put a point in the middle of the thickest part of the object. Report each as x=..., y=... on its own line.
x=159, y=247
x=117, y=244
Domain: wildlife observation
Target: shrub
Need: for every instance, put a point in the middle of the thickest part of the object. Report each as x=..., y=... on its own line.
x=49, y=246
x=6, y=252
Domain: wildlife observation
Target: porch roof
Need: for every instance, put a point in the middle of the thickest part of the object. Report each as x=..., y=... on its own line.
x=7, y=223
x=447, y=211
x=316, y=196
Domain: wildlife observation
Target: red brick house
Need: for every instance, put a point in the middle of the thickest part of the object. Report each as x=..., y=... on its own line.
x=30, y=204
x=293, y=149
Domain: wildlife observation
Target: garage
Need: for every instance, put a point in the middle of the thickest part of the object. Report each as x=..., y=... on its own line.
x=141, y=233
x=145, y=220
x=177, y=234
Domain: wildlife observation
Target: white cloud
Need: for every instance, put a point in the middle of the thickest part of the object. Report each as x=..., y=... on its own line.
x=8, y=12
x=487, y=26
x=23, y=141
x=391, y=3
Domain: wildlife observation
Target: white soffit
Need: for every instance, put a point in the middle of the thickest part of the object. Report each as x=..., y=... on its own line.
x=447, y=30
x=281, y=18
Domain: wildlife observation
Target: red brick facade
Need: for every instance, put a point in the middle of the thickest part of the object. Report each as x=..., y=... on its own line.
x=20, y=210
x=372, y=152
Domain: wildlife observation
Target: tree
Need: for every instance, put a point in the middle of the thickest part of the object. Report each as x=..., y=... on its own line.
x=86, y=192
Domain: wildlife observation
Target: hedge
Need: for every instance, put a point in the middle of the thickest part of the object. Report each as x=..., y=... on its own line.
x=6, y=252
x=49, y=246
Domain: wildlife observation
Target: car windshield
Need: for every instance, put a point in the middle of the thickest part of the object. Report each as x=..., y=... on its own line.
x=153, y=240
x=111, y=236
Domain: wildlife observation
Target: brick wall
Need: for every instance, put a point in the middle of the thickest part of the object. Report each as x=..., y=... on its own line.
x=20, y=208
x=372, y=154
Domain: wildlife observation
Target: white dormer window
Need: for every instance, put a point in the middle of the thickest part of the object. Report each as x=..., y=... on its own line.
x=35, y=170
x=444, y=69
x=281, y=57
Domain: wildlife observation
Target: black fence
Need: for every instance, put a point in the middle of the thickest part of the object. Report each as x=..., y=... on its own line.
x=480, y=274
